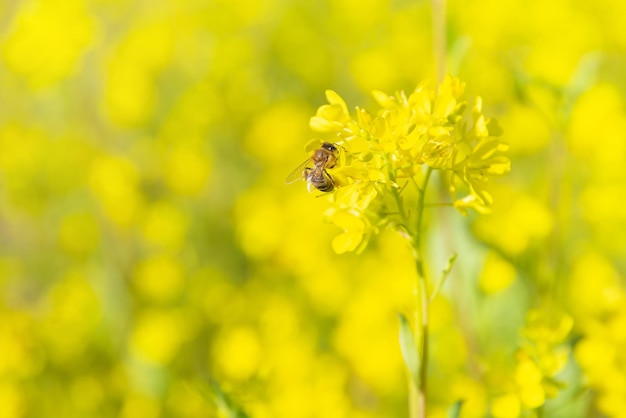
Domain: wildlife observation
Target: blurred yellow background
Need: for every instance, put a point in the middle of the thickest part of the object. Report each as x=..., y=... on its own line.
x=148, y=243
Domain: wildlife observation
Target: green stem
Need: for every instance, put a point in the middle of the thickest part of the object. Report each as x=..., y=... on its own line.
x=400, y=205
x=404, y=218
x=420, y=211
x=422, y=300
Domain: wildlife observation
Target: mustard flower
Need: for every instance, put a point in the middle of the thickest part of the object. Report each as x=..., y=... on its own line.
x=382, y=153
x=601, y=354
x=540, y=358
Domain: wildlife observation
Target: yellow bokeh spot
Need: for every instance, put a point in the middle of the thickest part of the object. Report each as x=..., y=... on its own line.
x=87, y=393
x=18, y=357
x=288, y=402
x=158, y=335
x=600, y=203
x=527, y=373
x=441, y=314
x=79, y=234
x=259, y=223
x=617, y=328
x=242, y=13
x=328, y=291
x=527, y=131
x=367, y=337
x=525, y=221
x=22, y=149
x=449, y=360
x=114, y=180
x=373, y=70
x=613, y=404
x=274, y=135
x=12, y=402
x=594, y=286
x=160, y=278
x=328, y=381
x=529, y=379
x=599, y=115
x=497, y=274
x=186, y=171
x=47, y=40
x=238, y=353
x=137, y=405
x=596, y=356
x=74, y=313
x=614, y=380
x=506, y=406
x=24, y=152
x=130, y=94
x=149, y=45
x=532, y=396
x=164, y=225
x=12, y=352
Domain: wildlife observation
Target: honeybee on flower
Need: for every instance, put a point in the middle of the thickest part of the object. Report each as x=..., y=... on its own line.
x=315, y=169
x=400, y=145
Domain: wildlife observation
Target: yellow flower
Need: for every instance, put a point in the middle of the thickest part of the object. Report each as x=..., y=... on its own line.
x=529, y=377
x=506, y=406
x=332, y=117
x=380, y=153
x=355, y=230
x=538, y=360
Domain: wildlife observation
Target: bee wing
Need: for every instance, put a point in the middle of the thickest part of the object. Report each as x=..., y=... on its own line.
x=298, y=172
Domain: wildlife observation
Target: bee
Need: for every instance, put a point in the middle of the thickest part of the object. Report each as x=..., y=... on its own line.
x=313, y=169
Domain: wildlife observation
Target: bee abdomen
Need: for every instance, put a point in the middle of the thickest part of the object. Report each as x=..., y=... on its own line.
x=325, y=186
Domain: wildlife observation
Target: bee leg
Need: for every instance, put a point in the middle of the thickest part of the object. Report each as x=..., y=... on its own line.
x=329, y=178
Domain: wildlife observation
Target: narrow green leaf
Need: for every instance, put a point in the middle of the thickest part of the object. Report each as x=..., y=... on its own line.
x=455, y=410
x=444, y=275
x=585, y=75
x=226, y=407
x=457, y=52
x=409, y=350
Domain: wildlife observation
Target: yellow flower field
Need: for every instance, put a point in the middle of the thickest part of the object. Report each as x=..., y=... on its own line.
x=154, y=263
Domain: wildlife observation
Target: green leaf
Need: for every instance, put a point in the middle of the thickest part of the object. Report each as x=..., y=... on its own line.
x=409, y=350
x=444, y=275
x=226, y=407
x=586, y=74
x=458, y=52
x=455, y=410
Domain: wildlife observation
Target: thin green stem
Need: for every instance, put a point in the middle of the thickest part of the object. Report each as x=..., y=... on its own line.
x=422, y=299
x=420, y=211
x=404, y=217
x=400, y=204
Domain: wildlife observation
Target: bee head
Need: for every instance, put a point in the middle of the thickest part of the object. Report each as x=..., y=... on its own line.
x=329, y=147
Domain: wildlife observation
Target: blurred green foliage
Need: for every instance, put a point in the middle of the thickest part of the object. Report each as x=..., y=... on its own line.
x=148, y=242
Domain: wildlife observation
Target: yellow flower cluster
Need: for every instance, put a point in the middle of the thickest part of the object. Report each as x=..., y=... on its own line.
x=601, y=355
x=538, y=361
x=382, y=153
